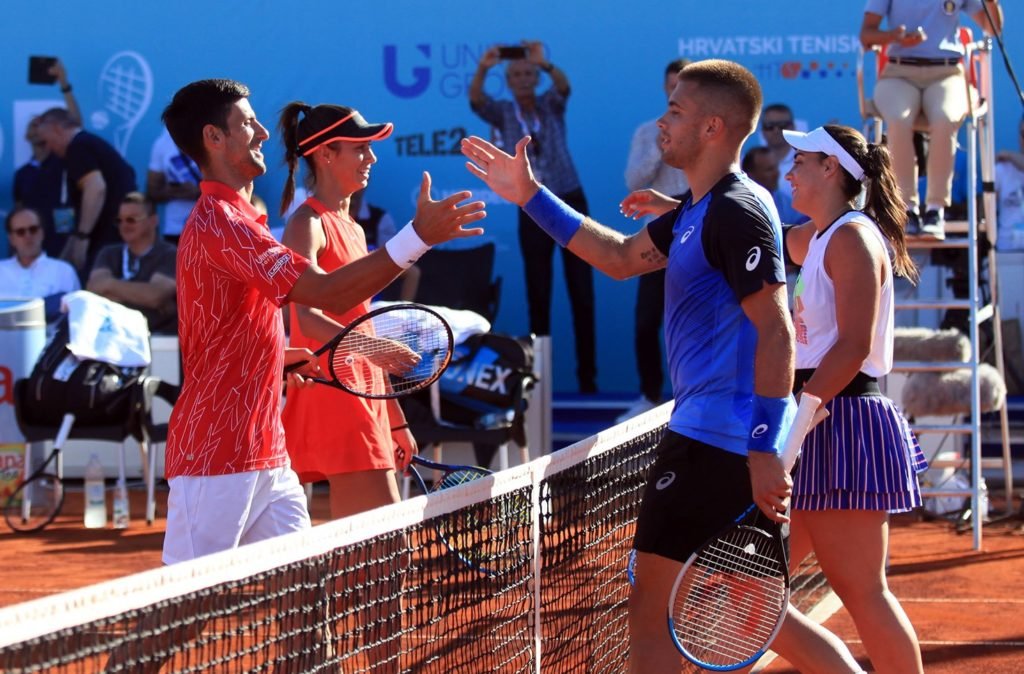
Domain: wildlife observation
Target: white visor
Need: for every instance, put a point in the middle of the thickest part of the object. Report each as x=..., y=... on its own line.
x=820, y=140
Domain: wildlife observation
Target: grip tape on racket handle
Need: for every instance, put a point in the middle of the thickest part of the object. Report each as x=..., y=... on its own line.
x=809, y=404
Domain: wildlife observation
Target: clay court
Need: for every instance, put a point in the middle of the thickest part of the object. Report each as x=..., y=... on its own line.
x=966, y=605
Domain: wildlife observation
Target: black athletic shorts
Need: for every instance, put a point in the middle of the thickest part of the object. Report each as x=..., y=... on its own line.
x=693, y=491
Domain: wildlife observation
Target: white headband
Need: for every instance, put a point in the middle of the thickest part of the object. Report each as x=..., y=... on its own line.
x=821, y=140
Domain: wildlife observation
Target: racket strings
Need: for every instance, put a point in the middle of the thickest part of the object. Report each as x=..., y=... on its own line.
x=731, y=599
x=393, y=353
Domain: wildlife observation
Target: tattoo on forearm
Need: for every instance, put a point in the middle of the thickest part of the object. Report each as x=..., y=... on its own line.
x=653, y=256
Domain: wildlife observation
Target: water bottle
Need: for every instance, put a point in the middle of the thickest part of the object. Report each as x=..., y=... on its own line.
x=95, y=495
x=121, y=511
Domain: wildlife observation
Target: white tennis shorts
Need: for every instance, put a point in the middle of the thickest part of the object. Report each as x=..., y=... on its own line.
x=210, y=513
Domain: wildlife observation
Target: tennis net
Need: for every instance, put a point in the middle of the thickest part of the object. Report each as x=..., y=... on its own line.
x=522, y=571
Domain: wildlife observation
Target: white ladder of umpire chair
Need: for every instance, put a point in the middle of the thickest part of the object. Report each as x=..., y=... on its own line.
x=980, y=146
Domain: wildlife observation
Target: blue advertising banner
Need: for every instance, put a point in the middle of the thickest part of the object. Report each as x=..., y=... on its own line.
x=411, y=63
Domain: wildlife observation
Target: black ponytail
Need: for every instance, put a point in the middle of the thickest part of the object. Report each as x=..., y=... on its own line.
x=884, y=203
x=288, y=126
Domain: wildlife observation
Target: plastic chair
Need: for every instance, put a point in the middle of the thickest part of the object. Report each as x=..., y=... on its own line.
x=138, y=424
x=434, y=421
x=460, y=278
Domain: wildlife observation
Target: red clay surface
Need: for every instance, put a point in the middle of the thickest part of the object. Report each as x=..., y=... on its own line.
x=966, y=605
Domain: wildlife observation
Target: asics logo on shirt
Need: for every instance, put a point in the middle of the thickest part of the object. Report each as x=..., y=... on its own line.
x=753, y=257
x=759, y=430
x=686, y=235
x=665, y=480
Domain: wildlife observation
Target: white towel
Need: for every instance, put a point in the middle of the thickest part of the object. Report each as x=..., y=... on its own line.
x=106, y=331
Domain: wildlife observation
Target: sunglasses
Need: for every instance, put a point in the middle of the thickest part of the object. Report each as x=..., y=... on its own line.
x=131, y=219
x=31, y=230
x=777, y=126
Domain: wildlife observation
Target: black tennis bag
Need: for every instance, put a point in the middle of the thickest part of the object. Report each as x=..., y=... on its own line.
x=97, y=393
x=488, y=374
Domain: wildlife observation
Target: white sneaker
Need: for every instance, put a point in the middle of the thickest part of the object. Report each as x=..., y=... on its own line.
x=642, y=404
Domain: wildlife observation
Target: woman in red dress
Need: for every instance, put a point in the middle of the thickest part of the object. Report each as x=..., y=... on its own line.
x=356, y=444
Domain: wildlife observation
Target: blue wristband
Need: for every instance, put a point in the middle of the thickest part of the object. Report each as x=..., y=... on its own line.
x=560, y=220
x=769, y=423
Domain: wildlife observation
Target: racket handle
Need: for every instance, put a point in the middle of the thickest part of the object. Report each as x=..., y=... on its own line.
x=801, y=424
x=65, y=430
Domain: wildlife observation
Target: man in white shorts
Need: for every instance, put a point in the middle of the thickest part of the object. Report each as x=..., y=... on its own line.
x=230, y=479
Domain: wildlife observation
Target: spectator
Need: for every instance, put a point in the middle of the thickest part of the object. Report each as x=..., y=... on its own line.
x=923, y=73
x=543, y=119
x=39, y=184
x=139, y=273
x=377, y=223
x=173, y=180
x=759, y=163
x=644, y=169
x=1010, y=192
x=776, y=118
x=30, y=272
x=97, y=178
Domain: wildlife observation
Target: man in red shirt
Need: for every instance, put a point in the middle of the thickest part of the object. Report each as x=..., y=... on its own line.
x=230, y=479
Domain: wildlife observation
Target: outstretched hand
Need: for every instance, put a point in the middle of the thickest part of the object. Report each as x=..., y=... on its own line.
x=439, y=221
x=511, y=177
x=642, y=203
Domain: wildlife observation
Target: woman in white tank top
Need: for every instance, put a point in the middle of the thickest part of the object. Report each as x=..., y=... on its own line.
x=862, y=461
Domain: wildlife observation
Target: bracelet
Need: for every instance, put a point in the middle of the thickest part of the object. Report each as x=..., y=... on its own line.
x=406, y=247
x=66, y=89
x=78, y=234
x=560, y=220
x=398, y=428
x=769, y=422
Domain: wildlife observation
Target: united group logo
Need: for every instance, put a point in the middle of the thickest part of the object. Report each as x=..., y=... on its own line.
x=411, y=71
x=420, y=75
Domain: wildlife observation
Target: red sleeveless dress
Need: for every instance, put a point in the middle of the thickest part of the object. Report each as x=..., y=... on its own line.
x=327, y=430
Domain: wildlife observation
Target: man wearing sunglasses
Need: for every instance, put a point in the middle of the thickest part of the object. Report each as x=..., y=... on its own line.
x=30, y=272
x=139, y=273
x=775, y=119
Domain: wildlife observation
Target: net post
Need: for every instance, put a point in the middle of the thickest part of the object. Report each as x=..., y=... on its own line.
x=536, y=476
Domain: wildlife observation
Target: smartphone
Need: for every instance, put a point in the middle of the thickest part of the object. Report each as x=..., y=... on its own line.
x=510, y=53
x=39, y=69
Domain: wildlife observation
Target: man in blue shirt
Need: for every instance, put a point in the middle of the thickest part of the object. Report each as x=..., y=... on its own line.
x=760, y=164
x=728, y=336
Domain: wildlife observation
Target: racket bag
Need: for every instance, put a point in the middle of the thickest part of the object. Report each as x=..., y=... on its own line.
x=97, y=393
x=489, y=374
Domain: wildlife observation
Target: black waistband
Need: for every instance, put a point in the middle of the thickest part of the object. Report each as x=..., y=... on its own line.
x=915, y=61
x=861, y=385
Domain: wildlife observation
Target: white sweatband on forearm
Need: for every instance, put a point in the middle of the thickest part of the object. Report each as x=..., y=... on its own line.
x=406, y=247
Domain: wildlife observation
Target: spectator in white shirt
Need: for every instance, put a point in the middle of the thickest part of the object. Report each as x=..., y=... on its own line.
x=172, y=179
x=645, y=169
x=30, y=272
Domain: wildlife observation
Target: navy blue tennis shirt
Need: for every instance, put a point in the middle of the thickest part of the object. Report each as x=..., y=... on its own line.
x=721, y=249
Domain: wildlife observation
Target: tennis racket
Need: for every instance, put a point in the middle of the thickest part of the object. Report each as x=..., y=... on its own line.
x=479, y=536
x=388, y=353
x=730, y=597
x=38, y=499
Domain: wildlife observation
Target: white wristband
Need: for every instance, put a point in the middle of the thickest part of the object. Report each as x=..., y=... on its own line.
x=406, y=247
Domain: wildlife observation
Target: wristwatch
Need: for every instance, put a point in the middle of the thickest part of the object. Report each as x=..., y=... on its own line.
x=548, y=67
x=66, y=89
